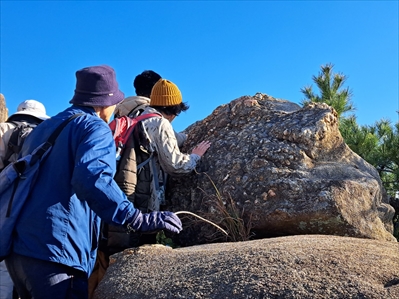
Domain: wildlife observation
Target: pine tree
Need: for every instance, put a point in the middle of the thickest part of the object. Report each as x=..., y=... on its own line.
x=331, y=91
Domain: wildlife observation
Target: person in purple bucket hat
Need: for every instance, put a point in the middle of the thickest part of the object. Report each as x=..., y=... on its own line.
x=56, y=237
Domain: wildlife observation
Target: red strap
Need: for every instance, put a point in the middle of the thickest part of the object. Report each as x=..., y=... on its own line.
x=141, y=117
x=118, y=125
x=126, y=122
x=137, y=119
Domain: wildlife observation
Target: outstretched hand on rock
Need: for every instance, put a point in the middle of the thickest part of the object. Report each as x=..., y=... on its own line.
x=201, y=148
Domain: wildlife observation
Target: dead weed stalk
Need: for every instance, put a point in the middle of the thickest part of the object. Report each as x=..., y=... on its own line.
x=232, y=218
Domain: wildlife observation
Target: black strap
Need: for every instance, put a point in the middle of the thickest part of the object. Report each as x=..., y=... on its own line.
x=51, y=140
x=57, y=132
x=137, y=113
x=13, y=147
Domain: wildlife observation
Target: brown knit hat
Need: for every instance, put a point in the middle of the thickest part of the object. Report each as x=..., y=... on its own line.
x=165, y=93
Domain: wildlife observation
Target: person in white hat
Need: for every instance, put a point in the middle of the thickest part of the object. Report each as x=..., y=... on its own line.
x=33, y=108
x=29, y=113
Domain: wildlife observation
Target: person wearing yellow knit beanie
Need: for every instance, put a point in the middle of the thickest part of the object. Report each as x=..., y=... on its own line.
x=165, y=100
x=161, y=145
x=165, y=93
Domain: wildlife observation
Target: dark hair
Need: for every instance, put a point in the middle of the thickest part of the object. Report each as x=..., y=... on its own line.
x=144, y=83
x=25, y=118
x=172, y=110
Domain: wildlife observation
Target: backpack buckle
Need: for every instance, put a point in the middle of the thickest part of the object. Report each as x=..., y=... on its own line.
x=130, y=229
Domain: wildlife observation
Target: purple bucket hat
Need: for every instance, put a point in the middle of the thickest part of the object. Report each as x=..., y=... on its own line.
x=97, y=86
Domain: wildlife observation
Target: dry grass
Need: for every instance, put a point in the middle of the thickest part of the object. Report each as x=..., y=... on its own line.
x=228, y=215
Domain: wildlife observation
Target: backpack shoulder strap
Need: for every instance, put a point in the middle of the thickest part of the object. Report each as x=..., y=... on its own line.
x=57, y=131
x=144, y=116
x=12, y=142
x=12, y=146
x=139, y=118
x=51, y=140
x=120, y=124
x=123, y=126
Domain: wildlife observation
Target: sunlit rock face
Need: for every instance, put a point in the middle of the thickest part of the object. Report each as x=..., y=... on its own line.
x=284, y=169
x=3, y=109
x=306, y=266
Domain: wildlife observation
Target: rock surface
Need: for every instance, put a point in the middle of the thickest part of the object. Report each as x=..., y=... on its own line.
x=283, y=169
x=283, y=173
x=3, y=109
x=307, y=266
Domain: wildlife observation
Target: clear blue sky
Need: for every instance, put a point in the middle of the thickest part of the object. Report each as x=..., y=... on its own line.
x=215, y=51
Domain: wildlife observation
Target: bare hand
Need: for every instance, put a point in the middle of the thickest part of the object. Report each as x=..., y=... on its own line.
x=201, y=148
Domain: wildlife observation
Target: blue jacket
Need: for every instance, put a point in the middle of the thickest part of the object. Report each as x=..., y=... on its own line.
x=75, y=188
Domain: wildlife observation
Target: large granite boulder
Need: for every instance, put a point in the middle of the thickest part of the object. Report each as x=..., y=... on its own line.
x=282, y=169
x=274, y=169
x=3, y=109
x=311, y=266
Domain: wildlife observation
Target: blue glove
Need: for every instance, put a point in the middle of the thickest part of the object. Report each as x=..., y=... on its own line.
x=154, y=221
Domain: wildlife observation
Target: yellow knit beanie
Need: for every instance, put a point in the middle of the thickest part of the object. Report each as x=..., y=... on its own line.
x=165, y=93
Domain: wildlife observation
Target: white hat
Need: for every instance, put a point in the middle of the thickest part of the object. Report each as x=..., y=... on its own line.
x=34, y=108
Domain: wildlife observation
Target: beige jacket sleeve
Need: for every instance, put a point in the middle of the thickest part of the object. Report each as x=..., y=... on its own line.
x=164, y=143
x=5, y=134
x=181, y=138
